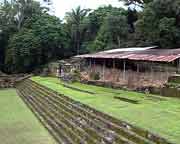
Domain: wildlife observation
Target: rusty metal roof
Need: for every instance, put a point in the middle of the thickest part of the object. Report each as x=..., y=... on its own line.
x=156, y=55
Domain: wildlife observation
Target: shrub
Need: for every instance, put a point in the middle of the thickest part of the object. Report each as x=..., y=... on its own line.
x=95, y=75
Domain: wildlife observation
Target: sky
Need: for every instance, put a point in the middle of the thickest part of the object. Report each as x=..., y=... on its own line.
x=60, y=7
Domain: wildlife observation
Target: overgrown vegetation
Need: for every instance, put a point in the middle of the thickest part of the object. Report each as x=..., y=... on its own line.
x=30, y=37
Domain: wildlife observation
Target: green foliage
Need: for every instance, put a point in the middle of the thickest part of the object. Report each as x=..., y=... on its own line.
x=40, y=41
x=76, y=27
x=96, y=18
x=22, y=51
x=159, y=23
x=112, y=32
x=109, y=27
x=169, y=33
x=76, y=75
x=13, y=15
x=95, y=75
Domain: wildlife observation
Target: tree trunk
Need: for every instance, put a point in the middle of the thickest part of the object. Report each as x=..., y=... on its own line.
x=119, y=41
x=78, y=42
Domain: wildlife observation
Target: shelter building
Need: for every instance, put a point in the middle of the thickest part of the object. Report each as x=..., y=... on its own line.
x=135, y=67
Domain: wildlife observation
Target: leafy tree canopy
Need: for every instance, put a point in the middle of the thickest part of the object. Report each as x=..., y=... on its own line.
x=41, y=40
x=159, y=23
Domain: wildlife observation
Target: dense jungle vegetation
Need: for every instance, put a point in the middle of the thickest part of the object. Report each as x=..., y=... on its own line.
x=30, y=36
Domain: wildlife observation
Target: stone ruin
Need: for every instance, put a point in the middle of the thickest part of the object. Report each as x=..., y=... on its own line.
x=8, y=81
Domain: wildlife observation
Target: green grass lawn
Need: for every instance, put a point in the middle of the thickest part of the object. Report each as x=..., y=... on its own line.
x=18, y=125
x=160, y=115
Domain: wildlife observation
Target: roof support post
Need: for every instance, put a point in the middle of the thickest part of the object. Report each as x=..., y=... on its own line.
x=151, y=70
x=90, y=68
x=167, y=71
x=124, y=73
x=59, y=70
x=90, y=65
x=94, y=66
x=179, y=65
x=104, y=64
x=114, y=66
x=137, y=68
x=161, y=76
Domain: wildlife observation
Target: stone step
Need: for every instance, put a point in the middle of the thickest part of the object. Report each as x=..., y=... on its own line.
x=126, y=133
x=97, y=125
x=56, y=127
x=96, y=133
x=108, y=124
x=80, y=133
x=120, y=141
x=42, y=120
x=155, y=138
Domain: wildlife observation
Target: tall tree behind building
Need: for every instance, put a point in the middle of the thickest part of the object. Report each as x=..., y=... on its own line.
x=159, y=23
x=75, y=20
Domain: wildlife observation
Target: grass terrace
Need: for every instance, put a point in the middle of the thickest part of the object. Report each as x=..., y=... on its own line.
x=160, y=115
x=18, y=125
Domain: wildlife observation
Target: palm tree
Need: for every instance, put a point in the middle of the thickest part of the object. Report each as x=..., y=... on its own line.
x=75, y=18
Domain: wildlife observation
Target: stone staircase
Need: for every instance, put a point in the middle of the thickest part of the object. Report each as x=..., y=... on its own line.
x=71, y=122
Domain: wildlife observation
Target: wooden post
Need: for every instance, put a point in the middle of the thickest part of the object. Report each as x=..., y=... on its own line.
x=179, y=66
x=114, y=66
x=90, y=65
x=94, y=66
x=90, y=68
x=104, y=62
x=151, y=70
x=137, y=68
x=161, y=76
x=124, y=73
x=167, y=71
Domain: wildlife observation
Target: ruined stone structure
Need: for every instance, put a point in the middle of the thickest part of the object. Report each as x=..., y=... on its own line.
x=8, y=81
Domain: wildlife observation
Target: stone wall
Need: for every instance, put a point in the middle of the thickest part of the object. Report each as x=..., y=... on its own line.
x=8, y=81
x=164, y=91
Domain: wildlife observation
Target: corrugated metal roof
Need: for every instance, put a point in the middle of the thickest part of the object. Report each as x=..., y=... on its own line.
x=156, y=55
x=129, y=49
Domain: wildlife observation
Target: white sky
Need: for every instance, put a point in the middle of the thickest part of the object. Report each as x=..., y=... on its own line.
x=63, y=6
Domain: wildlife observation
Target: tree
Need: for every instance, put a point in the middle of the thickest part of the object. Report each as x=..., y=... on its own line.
x=7, y=27
x=40, y=40
x=75, y=20
x=13, y=15
x=112, y=33
x=96, y=18
x=22, y=52
x=159, y=23
x=103, y=29
x=131, y=19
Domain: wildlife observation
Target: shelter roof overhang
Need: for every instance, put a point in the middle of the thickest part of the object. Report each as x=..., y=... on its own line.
x=144, y=54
